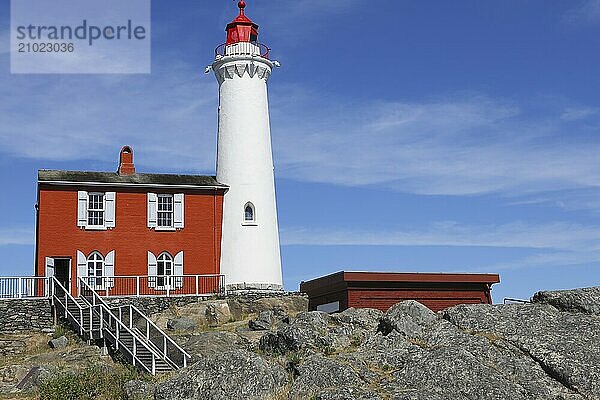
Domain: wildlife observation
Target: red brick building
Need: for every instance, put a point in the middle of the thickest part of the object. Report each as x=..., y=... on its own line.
x=381, y=290
x=159, y=230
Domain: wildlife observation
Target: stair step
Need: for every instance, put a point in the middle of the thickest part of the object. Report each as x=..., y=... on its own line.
x=90, y=318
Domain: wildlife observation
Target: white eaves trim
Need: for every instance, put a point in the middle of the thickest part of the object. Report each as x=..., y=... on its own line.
x=139, y=185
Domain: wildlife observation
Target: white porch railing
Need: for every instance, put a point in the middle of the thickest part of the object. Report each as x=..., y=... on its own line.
x=19, y=287
x=159, y=286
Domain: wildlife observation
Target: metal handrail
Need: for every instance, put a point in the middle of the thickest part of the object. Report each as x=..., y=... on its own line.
x=508, y=300
x=164, y=337
x=65, y=306
x=105, y=308
x=24, y=287
x=263, y=50
x=148, y=285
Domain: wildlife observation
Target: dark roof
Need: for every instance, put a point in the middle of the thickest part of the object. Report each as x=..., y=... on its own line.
x=356, y=278
x=54, y=176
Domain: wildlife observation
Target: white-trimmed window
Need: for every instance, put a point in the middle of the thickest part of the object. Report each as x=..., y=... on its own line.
x=165, y=271
x=165, y=211
x=95, y=270
x=96, y=210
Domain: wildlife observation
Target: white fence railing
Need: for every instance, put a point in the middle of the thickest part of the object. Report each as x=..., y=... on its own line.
x=19, y=287
x=158, y=285
x=120, y=286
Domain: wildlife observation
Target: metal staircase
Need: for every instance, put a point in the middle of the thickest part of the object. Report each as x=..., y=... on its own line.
x=126, y=329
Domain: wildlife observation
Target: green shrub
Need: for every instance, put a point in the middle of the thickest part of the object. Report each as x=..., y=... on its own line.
x=356, y=341
x=61, y=330
x=294, y=359
x=88, y=384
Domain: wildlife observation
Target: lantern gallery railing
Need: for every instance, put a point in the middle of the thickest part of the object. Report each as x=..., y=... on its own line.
x=19, y=287
x=242, y=49
x=167, y=285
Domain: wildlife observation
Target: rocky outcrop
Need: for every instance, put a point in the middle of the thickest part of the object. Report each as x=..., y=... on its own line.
x=546, y=350
x=236, y=374
x=23, y=368
x=517, y=352
x=565, y=346
x=138, y=390
x=181, y=324
x=578, y=300
x=207, y=314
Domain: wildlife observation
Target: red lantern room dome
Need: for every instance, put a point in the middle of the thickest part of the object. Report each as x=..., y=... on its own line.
x=242, y=29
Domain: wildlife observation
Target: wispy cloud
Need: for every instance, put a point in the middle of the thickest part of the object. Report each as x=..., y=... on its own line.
x=551, y=244
x=569, y=200
x=168, y=117
x=579, y=113
x=457, y=145
x=587, y=12
x=462, y=144
x=16, y=236
x=555, y=236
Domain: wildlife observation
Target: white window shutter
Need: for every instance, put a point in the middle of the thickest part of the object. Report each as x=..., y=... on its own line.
x=178, y=269
x=109, y=269
x=81, y=265
x=82, y=203
x=152, y=210
x=151, y=270
x=109, y=209
x=178, y=208
x=49, y=267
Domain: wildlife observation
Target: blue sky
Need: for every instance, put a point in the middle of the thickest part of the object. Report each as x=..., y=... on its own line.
x=408, y=136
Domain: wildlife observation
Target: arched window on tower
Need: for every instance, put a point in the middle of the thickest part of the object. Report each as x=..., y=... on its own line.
x=249, y=215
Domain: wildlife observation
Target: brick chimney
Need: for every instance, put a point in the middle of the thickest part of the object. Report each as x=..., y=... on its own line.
x=126, y=167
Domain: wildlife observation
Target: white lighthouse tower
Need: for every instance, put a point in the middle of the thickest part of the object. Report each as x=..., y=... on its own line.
x=250, y=256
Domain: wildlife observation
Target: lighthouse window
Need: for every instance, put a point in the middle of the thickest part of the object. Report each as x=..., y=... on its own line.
x=165, y=210
x=249, y=212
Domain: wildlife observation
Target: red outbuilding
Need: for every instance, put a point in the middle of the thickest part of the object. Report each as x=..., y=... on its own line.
x=381, y=290
x=129, y=233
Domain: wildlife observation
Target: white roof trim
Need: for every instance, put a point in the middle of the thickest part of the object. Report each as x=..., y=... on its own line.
x=128, y=184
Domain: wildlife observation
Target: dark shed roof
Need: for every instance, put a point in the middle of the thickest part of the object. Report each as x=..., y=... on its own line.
x=82, y=177
x=350, y=278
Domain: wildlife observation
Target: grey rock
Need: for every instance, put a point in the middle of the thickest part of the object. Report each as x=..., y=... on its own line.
x=407, y=317
x=347, y=393
x=437, y=360
x=319, y=374
x=563, y=345
x=585, y=300
x=243, y=306
x=230, y=375
x=211, y=343
x=138, y=390
x=363, y=318
x=308, y=330
x=59, y=343
x=181, y=324
x=264, y=322
x=217, y=313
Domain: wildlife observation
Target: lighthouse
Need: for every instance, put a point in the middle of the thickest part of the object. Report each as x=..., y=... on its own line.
x=250, y=254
